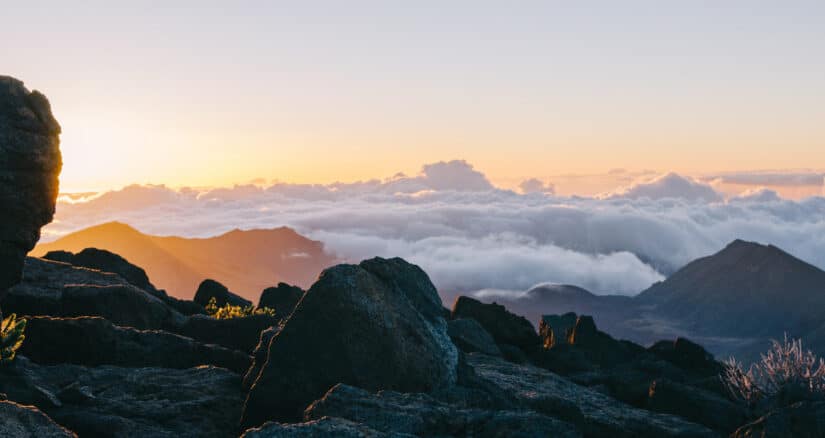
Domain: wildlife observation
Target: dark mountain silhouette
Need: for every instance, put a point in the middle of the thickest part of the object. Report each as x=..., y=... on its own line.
x=245, y=261
x=747, y=289
x=733, y=302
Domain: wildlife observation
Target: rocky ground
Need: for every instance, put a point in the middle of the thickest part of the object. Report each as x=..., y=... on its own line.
x=366, y=351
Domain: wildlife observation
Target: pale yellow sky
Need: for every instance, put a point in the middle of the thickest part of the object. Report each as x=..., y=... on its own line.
x=212, y=94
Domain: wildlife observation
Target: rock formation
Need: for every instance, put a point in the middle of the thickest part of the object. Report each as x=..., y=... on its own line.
x=209, y=289
x=30, y=163
x=376, y=325
x=282, y=298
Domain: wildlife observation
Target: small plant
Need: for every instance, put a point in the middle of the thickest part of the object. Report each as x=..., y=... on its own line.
x=11, y=337
x=786, y=367
x=229, y=311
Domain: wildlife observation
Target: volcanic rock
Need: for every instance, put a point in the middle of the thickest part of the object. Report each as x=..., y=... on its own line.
x=28, y=422
x=282, y=298
x=209, y=289
x=240, y=334
x=376, y=325
x=469, y=336
x=325, y=427
x=421, y=415
x=94, y=341
x=30, y=163
x=505, y=327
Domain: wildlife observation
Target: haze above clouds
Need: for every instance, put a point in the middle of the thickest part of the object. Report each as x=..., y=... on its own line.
x=470, y=236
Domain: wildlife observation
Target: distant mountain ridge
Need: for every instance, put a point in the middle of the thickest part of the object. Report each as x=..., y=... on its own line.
x=733, y=302
x=246, y=261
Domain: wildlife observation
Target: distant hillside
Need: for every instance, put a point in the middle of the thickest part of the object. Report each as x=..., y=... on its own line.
x=245, y=261
x=733, y=302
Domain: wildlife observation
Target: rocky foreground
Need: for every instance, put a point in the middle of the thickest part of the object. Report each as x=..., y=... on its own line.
x=368, y=350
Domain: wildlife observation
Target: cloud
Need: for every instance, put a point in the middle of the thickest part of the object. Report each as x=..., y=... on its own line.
x=535, y=185
x=670, y=185
x=469, y=239
x=770, y=178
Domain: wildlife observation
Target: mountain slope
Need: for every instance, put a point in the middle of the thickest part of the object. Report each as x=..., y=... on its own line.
x=245, y=261
x=745, y=290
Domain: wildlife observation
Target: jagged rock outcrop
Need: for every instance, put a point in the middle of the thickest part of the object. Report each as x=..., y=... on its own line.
x=110, y=401
x=555, y=329
x=235, y=333
x=105, y=261
x=282, y=298
x=421, y=415
x=604, y=416
x=469, y=336
x=94, y=341
x=325, y=427
x=209, y=289
x=28, y=422
x=58, y=289
x=30, y=163
x=376, y=325
x=505, y=327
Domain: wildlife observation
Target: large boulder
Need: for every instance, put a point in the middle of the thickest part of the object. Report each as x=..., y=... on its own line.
x=421, y=415
x=240, y=334
x=696, y=404
x=109, y=401
x=376, y=325
x=537, y=388
x=469, y=336
x=94, y=341
x=259, y=356
x=283, y=298
x=28, y=422
x=505, y=327
x=30, y=164
x=59, y=289
x=209, y=289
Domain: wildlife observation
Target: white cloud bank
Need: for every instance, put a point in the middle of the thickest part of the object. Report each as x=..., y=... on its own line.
x=471, y=236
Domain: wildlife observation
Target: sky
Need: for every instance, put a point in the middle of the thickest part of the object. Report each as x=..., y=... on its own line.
x=577, y=95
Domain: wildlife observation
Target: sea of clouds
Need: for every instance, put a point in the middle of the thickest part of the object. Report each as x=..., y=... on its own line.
x=471, y=236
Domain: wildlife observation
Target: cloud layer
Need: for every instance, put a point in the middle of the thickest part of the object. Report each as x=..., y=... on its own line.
x=471, y=236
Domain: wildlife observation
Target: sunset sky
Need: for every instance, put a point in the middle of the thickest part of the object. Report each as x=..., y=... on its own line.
x=217, y=93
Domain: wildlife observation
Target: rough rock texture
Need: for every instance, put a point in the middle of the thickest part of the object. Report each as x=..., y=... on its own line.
x=30, y=163
x=58, y=289
x=604, y=416
x=282, y=298
x=240, y=334
x=325, y=427
x=94, y=341
x=105, y=261
x=28, y=422
x=209, y=289
x=376, y=325
x=421, y=415
x=696, y=405
x=469, y=336
x=505, y=327
x=598, y=346
x=555, y=329
x=259, y=356
x=109, y=401
x=801, y=420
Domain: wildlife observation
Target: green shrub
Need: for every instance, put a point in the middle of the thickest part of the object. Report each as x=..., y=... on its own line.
x=11, y=337
x=229, y=311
